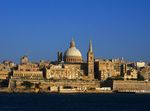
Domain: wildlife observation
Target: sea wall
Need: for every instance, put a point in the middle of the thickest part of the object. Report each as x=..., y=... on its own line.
x=131, y=86
x=63, y=86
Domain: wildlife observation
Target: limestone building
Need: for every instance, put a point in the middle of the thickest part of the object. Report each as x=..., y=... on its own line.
x=90, y=62
x=106, y=68
x=6, y=69
x=145, y=72
x=70, y=72
x=129, y=72
x=73, y=66
x=27, y=70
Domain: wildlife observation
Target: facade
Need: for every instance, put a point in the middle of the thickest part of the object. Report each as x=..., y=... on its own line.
x=70, y=73
x=145, y=72
x=73, y=66
x=140, y=64
x=63, y=72
x=27, y=70
x=6, y=69
x=90, y=62
x=131, y=74
x=106, y=68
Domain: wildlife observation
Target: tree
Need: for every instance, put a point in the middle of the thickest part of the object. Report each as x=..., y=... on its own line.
x=107, y=83
x=140, y=77
x=27, y=84
x=37, y=85
x=4, y=83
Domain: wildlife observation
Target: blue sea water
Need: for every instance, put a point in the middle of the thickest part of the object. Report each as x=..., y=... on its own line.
x=74, y=102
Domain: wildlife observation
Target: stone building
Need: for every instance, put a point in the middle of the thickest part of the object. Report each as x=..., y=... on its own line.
x=90, y=62
x=73, y=66
x=64, y=72
x=106, y=68
x=129, y=71
x=24, y=60
x=71, y=72
x=131, y=74
x=27, y=70
x=145, y=72
x=6, y=69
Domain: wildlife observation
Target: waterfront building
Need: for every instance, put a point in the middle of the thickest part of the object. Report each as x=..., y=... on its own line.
x=140, y=64
x=129, y=71
x=145, y=73
x=27, y=70
x=106, y=68
x=6, y=69
x=73, y=66
x=70, y=72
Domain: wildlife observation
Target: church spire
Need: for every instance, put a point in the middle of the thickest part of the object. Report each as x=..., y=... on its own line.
x=90, y=47
x=90, y=61
x=72, y=43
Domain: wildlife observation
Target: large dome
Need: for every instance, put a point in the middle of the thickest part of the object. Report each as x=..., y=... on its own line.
x=73, y=52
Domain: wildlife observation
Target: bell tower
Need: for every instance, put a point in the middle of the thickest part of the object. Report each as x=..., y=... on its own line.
x=90, y=61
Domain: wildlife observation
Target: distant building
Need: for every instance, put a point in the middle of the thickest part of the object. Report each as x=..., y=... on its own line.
x=129, y=71
x=64, y=72
x=70, y=71
x=73, y=66
x=27, y=70
x=73, y=55
x=145, y=72
x=24, y=60
x=140, y=64
x=6, y=68
x=106, y=68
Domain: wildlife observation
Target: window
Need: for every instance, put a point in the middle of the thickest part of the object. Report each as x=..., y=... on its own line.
x=91, y=58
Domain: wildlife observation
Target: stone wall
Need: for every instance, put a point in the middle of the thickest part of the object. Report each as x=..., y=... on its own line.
x=46, y=85
x=131, y=86
x=28, y=74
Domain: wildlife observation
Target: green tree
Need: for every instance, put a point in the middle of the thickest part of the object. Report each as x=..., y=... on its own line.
x=4, y=83
x=27, y=84
x=140, y=77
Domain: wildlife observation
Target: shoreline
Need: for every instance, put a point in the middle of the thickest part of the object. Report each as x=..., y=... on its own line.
x=8, y=91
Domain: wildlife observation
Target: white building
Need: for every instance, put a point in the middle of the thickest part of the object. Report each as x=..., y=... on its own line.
x=140, y=64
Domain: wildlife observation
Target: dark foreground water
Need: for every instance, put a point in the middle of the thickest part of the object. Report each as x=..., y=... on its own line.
x=74, y=102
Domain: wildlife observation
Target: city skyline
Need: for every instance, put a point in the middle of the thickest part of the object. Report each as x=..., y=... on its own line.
x=41, y=29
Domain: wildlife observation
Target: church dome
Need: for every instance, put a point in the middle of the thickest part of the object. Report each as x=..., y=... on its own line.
x=72, y=54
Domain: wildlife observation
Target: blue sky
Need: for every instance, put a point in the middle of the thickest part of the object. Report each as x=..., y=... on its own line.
x=40, y=28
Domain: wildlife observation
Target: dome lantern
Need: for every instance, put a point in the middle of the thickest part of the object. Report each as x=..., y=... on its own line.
x=72, y=43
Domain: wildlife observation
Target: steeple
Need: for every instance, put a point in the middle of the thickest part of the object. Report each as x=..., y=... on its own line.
x=90, y=62
x=72, y=43
x=90, y=47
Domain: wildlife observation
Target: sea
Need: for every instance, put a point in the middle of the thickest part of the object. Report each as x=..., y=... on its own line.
x=74, y=102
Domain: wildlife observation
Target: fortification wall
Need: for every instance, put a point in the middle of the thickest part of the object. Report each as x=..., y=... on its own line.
x=131, y=86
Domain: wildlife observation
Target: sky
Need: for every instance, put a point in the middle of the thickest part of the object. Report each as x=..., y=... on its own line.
x=40, y=28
